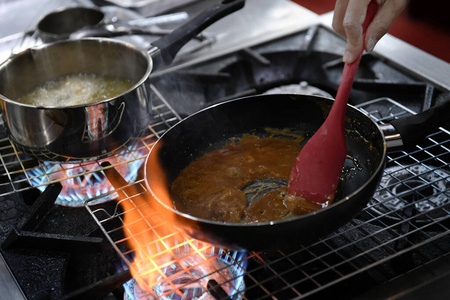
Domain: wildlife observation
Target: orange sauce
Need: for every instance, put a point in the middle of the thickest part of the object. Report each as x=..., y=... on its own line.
x=212, y=186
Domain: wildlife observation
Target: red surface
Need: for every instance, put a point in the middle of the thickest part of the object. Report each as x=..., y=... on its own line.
x=423, y=24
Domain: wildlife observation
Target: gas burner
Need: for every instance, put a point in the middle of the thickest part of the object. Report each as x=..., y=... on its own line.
x=83, y=181
x=424, y=186
x=303, y=88
x=196, y=277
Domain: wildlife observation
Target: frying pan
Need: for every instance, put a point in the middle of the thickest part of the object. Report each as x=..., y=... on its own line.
x=212, y=128
x=88, y=131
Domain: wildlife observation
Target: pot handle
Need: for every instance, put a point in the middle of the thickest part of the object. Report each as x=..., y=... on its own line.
x=170, y=44
x=113, y=30
x=413, y=129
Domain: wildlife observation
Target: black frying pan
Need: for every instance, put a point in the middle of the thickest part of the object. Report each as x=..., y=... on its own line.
x=213, y=127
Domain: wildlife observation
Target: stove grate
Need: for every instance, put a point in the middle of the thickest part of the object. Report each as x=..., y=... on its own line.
x=404, y=227
x=384, y=242
x=81, y=180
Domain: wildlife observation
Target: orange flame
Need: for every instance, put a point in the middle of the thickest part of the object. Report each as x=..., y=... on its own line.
x=155, y=243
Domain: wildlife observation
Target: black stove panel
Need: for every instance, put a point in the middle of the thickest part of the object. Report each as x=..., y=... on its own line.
x=286, y=61
x=56, y=252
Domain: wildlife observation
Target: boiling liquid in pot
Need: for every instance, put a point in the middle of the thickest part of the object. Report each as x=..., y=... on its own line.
x=76, y=89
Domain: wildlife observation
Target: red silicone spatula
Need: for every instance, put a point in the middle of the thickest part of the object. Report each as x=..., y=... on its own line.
x=317, y=169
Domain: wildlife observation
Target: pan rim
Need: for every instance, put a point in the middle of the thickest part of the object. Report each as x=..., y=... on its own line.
x=374, y=175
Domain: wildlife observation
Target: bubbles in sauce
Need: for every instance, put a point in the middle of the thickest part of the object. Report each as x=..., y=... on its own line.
x=76, y=89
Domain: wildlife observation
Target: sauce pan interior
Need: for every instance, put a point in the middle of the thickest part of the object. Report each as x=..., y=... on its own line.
x=103, y=57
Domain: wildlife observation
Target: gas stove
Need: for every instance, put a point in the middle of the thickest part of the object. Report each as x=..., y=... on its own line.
x=63, y=232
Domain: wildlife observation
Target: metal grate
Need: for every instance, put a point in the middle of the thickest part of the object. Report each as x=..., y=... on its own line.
x=405, y=226
x=20, y=172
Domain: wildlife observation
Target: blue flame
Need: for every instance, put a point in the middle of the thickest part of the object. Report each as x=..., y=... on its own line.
x=80, y=186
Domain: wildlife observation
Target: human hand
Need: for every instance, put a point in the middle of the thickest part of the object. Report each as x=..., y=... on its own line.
x=349, y=16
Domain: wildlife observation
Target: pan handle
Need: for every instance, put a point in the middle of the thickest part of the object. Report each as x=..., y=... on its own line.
x=168, y=46
x=409, y=131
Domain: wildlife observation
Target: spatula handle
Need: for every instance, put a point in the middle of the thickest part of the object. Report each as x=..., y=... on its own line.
x=349, y=71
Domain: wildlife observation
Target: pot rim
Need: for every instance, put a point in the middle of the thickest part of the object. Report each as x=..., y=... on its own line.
x=64, y=9
x=98, y=40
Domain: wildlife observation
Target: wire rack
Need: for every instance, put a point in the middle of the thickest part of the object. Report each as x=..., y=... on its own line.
x=21, y=172
x=405, y=226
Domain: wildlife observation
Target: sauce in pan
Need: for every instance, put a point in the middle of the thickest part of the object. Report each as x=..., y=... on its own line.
x=212, y=186
x=76, y=89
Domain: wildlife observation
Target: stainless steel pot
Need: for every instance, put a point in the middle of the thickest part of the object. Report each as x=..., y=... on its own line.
x=80, y=21
x=92, y=130
x=61, y=23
